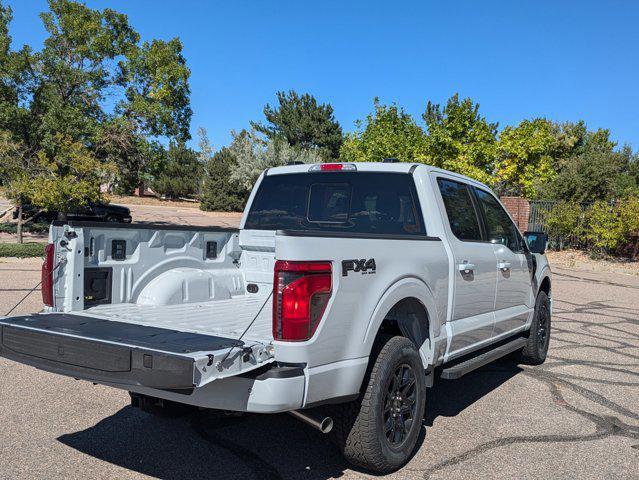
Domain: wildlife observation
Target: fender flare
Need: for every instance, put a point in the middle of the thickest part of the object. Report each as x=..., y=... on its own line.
x=401, y=289
x=540, y=277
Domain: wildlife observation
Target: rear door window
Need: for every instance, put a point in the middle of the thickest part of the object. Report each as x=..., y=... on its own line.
x=460, y=209
x=349, y=202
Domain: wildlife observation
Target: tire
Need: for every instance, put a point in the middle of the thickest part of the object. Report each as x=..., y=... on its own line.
x=364, y=429
x=536, y=349
x=113, y=219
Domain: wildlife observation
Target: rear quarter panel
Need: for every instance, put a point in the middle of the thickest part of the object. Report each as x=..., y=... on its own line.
x=360, y=300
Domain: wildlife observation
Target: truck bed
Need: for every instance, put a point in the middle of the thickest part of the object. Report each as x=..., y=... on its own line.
x=227, y=318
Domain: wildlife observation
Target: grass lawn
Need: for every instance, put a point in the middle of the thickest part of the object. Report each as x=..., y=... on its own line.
x=22, y=250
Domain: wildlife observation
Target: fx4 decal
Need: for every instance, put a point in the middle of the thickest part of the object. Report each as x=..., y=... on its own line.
x=363, y=265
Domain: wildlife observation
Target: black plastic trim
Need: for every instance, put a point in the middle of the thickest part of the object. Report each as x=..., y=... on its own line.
x=281, y=372
x=460, y=368
x=332, y=401
x=371, y=236
x=143, y=226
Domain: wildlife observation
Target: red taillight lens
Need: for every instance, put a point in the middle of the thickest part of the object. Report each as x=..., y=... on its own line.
x=331, y=166
x=47, y=275
x=300, y=293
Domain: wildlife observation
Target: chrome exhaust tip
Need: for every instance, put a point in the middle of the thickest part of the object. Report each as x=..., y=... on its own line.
x=323, y=424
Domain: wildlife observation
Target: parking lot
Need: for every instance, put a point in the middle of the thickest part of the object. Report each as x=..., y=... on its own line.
x=577, y=416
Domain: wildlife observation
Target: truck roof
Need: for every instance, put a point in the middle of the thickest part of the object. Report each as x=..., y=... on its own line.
x=398, y=167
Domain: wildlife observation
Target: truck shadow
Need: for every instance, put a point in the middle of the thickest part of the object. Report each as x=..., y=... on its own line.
x=207, y=445
x=448, y=398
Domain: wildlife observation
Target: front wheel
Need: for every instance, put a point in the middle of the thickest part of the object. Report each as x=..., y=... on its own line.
x=536, y=349
x=380, y=431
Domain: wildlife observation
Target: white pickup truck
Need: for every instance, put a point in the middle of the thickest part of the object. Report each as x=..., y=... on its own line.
x=346, y=284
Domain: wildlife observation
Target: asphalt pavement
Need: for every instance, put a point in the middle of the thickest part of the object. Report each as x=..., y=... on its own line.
x=576, y=416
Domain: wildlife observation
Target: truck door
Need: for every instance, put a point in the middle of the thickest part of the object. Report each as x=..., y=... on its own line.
x=475, y=273
x=514, y=301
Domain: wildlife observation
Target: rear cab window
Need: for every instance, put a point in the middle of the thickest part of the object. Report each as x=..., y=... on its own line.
x=374, y=203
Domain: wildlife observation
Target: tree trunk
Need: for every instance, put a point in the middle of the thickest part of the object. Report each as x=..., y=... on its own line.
x=19, y=228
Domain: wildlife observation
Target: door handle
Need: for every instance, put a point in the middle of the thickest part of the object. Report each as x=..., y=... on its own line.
x=503, y=266
x=466, y=267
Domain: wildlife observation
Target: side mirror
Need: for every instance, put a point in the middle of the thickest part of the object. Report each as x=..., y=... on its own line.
x=537, y=241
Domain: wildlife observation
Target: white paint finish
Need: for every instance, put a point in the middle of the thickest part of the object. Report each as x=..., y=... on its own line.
x=166, y=281
x=342, y=333
x=514, y=301
x=226, y=318
x=191, y=285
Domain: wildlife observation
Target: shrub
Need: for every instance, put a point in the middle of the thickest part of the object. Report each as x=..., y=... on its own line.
x=31, y=227
x=614, y=228
x=629, y=220
x=22, y=250
x=604, y=230
x=565, y=223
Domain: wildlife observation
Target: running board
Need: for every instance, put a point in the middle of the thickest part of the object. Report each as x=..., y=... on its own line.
x=460, y=369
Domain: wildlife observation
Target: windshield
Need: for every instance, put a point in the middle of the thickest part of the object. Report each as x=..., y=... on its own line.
x=357, y=202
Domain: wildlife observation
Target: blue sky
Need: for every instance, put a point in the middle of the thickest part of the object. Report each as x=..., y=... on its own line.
x=566, y=60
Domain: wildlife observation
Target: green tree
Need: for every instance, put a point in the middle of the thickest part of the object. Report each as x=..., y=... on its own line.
x=596, y=172
x=526, y=157
x=15, y=83
x=76, y=70
x=157, y=91
x=302, y=123
x=92, y=60
x=388, y=132
x=460, y=139
x=181, y=174
x=254, y=154
x=218, y=192
x=68, y=178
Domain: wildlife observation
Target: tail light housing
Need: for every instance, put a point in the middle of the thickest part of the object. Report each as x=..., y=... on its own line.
x=301, y=291
x=47, y=275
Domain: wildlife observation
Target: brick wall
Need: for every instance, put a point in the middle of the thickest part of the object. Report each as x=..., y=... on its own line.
x=519, y=209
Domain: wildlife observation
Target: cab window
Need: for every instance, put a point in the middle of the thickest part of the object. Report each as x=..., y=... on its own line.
x=499, y=226
x=460, y=210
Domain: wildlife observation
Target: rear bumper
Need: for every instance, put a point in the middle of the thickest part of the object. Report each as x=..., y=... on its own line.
x=255, y=394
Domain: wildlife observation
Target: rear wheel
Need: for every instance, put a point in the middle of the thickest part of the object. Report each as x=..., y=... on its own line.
x=536, y=349
x=379, y=432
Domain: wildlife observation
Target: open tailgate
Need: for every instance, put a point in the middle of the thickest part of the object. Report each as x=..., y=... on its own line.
x=107, y=351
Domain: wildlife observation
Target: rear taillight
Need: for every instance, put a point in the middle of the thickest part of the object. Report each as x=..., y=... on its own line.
x=47, y=275
x=300, y=293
